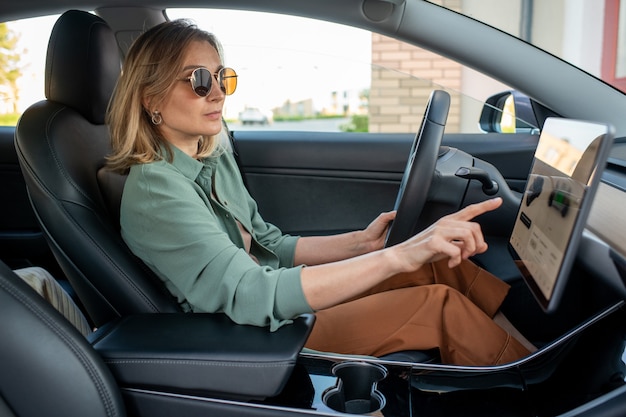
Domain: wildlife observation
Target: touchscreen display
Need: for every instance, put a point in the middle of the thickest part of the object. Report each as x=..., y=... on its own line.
x=568, y=163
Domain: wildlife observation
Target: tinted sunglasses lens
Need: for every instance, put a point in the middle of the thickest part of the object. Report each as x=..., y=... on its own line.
x=201, y=80
x=228, y=80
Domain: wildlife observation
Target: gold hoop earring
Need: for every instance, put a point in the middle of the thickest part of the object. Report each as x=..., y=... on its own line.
x=156, y=118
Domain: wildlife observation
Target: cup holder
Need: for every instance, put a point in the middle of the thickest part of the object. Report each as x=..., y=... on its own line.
x=355, y=391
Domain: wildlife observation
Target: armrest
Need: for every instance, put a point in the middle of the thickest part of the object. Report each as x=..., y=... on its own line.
x=195, y=352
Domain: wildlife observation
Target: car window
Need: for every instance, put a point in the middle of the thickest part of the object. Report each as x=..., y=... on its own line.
x=295, y=74
x=22, y=65
x=304, y=74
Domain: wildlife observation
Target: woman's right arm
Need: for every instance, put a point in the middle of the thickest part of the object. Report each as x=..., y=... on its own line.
x=454, y=237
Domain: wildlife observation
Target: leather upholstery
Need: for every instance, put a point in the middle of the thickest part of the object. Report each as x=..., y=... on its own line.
x=82, y=65
x=201, y=354
x=61, y=143
x=48, y=367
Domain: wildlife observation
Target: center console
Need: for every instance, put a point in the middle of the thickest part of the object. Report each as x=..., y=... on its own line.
x=204, y=364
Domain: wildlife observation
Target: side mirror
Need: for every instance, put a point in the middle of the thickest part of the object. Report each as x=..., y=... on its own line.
x=508, y=112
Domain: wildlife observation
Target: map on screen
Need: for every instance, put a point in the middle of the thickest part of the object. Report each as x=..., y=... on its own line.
x=566, y=170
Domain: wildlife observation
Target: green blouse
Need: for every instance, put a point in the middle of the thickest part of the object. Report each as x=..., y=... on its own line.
x=190, y=238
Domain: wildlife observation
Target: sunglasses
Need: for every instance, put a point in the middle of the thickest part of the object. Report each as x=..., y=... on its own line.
x=201, y=81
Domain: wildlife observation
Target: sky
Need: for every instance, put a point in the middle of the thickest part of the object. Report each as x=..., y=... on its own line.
x=264, y=49
x=34, y=43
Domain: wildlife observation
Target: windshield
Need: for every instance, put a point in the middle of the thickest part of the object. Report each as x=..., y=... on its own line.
x=587, y=33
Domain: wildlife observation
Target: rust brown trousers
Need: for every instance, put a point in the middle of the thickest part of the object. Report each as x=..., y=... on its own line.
x=434, y=307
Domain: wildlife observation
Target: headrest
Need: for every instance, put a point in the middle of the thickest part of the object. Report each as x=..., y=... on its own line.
x=83, y=64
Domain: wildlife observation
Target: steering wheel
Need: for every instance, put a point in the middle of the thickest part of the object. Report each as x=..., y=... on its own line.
x=419, y=169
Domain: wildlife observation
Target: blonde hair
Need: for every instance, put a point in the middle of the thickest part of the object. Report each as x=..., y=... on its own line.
x=149, y=72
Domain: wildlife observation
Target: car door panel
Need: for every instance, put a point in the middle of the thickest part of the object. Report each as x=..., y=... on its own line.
x=310, y=183
x=325, y=182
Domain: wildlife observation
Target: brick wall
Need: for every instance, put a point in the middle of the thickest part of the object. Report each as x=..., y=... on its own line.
x=403, y=77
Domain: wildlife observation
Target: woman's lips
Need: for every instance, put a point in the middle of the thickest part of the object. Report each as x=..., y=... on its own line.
x=214, y=115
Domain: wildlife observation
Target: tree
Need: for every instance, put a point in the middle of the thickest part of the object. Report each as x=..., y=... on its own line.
x=10, y=70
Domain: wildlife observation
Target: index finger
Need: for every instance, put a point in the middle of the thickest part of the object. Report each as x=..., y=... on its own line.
x=476, y=209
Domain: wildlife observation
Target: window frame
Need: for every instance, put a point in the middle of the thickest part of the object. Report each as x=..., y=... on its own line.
x=610, y=44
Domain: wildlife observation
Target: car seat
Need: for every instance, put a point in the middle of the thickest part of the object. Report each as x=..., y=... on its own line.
x=48, y=367
x=61, y=143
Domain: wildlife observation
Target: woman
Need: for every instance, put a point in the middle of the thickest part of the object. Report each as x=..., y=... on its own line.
x=187, y=214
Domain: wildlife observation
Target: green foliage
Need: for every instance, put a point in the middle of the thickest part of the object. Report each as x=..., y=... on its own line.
x=290, y=118
x=10, y=69
x=9, y=119
x=278, y=118
x=358, y=123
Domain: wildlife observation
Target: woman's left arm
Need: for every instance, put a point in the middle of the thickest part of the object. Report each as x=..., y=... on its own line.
x=316, y=250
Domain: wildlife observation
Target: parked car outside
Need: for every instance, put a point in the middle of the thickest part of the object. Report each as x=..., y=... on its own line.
x=252, y=115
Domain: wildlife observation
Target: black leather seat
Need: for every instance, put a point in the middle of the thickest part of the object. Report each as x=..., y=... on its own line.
x=34, y=337
x=61, y=143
